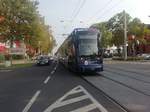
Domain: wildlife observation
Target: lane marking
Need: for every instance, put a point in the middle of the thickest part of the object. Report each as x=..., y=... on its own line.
x=55, y=68
x=86, y=108
x=62, y=102
x=47, y=79
x=52, y=72
x=102, y=109
x=77, y=99
x=33, y=99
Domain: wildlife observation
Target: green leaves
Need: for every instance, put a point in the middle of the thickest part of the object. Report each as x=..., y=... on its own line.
x=116, y=26
x=23, y=22
x=113, y=30
x=106, y=34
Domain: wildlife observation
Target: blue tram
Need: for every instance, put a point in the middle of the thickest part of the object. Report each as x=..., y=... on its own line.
x=82, y=51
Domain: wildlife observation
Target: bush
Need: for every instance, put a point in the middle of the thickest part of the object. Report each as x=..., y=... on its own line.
x=7, y=57
x=17, y=57
x=2, y=57
x=128, y=59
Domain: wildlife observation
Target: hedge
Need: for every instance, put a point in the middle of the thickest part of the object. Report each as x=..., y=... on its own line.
x=128, y=59
x=2, y=58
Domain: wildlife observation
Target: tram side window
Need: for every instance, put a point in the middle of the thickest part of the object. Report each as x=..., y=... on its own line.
x=70, y=48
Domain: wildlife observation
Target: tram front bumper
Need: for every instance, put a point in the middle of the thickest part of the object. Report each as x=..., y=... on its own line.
x=91, y=68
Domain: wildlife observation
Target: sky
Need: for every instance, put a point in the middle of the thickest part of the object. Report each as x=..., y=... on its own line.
x=65, y=15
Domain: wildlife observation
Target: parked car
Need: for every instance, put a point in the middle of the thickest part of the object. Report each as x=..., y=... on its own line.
x=107, y=54
x=43, y=60
x=145, y=56
x=51, y=58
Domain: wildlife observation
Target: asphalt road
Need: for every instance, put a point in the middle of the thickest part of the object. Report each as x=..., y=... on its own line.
x=51, y=89
x=126, y=83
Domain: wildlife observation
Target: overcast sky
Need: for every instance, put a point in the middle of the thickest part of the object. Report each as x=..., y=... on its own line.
x=56, y=11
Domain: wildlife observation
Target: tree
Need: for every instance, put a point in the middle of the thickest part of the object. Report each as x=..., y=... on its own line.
x=146, y=34
x=116, y=26
x=106, y=35
x=18, y=15
x=113, y=32
x=42, y=33
x=136, y=27
x=21, y=21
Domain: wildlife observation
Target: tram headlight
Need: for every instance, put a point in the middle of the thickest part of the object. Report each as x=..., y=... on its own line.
x=86, y=62
x=83, y=61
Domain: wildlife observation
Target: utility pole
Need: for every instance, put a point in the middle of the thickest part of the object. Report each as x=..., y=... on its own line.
x=125, y=36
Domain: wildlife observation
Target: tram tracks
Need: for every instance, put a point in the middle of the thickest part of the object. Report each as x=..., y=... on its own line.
x=139, y=78
x=130, y=71
x=123, y=84
x=126, y=75
x=112, y=99
x=117, y=103
x=138, y=85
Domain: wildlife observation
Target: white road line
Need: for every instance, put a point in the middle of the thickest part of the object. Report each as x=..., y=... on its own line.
x=86, y=108
x=73, y=100
x=94, y=101
x=55, y=68
x=28, y=106
x=75, y=91
x=47, y=79
x=61, y=102
x=52, y=72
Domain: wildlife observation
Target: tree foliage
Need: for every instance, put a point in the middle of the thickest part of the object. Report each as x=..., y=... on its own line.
x=113, y=30
x=116, y=26
x=22, y=21
x=136, y=27
x=106, y=35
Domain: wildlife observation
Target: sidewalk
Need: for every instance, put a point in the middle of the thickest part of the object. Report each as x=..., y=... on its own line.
x=22, y=61
x=16, y=63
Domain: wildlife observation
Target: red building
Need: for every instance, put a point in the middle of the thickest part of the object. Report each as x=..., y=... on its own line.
x=2, y=48
x=137, y=47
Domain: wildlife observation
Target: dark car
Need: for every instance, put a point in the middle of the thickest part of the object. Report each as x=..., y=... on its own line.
x=43, y=60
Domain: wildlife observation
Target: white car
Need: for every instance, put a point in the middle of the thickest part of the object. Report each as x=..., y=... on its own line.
x=146, y=56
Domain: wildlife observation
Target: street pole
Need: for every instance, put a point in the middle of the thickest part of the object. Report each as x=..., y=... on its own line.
x=125, y=36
